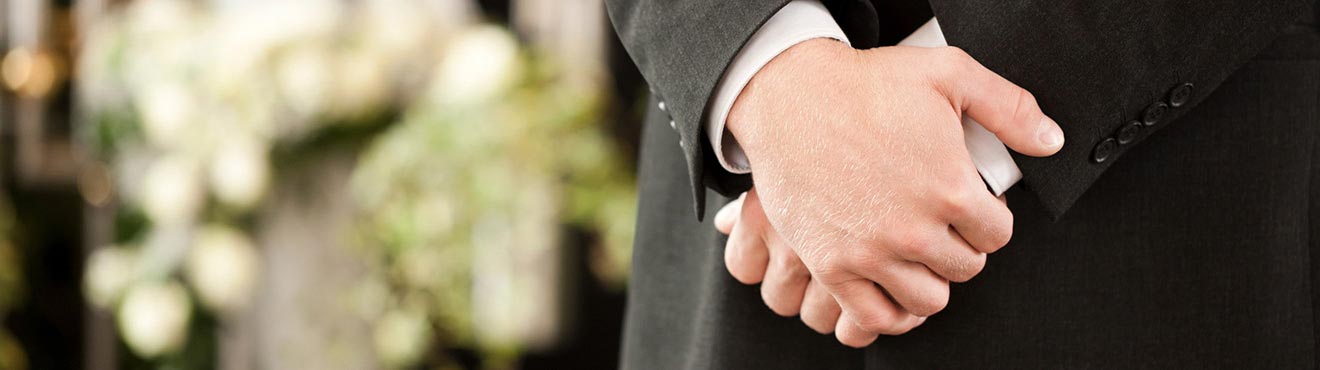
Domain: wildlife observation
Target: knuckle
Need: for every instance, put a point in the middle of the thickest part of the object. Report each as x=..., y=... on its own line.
x=743, y=269
x=788, y=264
x=969, y=268
x=733, y=253
x=1000, y=235
x=744, y=275
x=855, y=341
x=838, y=269
x=831, y=275
x=816, y=321
x=1025, y=111
x=1025, y=105
x=864, y=258
x=773, y=299
x=875, y=321
x=915, y=246
x=781, y=261
x=949, y=61
x=930, y=304
x=899, y=329
x=956, y=204
x=955, y=57
x=998, y=231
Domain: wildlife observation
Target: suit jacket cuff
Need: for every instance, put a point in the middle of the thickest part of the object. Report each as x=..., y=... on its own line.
x=799, y=21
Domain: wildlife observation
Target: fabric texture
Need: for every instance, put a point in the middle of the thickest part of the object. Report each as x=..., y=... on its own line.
x=1192, y=247
x=1095, y=66
x=681, y=48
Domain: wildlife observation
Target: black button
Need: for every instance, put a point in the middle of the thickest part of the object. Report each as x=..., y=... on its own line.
x=1154, y=113
x=1128, y=132
x=1104, y=150
x=1180, y=95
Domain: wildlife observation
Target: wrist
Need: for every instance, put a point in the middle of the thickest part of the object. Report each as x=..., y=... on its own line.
x=790, y=74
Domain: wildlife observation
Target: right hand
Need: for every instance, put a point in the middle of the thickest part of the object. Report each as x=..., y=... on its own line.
x=860, y=165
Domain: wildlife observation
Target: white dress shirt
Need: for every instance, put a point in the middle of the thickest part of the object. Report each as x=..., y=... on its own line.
x=802, y=20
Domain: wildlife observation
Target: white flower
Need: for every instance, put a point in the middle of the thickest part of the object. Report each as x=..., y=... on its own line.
x=246, y=34
x=110, y=269
x=362, y=83
x=240, y=170
x=302, y=76
x=164, y=248
x=166, y=110
x=160, y=16
x=172, y=191
x=481, y=63
x=266, y=25
x=223, y=267
x=396, y=27
x=422, y=267
x=401, y=337
x=154, y=318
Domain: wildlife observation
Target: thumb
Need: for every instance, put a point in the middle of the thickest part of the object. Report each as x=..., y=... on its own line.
x=1005, y=109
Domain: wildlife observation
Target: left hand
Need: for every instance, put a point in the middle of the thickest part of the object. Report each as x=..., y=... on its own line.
x=756, y=254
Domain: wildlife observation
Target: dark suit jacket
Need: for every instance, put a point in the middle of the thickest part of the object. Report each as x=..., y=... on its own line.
x=1188, y=243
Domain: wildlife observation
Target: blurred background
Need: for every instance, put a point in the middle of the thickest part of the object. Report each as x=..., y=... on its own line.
x=314, y=184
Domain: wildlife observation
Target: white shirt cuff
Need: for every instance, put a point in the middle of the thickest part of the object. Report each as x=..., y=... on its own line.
x=989, y=155
x=799, y=21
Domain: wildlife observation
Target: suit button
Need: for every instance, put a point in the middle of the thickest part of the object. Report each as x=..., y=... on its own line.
x=661, y=105
x=1104, y=150
x=1128, y=132
x=1154, y=113
x=672, y=125
x=1180, y=95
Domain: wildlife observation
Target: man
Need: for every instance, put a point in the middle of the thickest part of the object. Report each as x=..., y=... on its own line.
x=1172, y=228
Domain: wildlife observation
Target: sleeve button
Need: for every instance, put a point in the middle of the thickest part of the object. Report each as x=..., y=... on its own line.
x=1180, y=95
x=1154, y=113
x=1104, y=150
x=1128, y=132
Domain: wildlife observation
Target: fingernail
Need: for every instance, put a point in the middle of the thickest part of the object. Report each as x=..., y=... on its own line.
x=1050, y=134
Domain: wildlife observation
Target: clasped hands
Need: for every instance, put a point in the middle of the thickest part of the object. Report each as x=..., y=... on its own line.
x=866, y=203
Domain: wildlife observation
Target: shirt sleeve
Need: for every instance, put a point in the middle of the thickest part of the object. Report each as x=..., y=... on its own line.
x=799, y=21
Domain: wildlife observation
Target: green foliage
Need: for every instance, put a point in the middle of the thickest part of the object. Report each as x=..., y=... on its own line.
x=449, y=178
x=473, y=154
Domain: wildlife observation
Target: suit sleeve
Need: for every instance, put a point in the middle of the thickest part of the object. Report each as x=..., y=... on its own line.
x=1110, y=72
x=682, y=48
